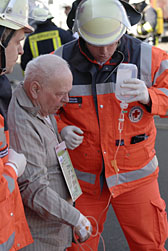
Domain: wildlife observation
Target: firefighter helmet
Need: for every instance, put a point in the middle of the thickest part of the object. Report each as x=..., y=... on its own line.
x=101, y=22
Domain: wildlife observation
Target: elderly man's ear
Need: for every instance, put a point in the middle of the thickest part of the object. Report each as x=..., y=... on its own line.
x=35, y=89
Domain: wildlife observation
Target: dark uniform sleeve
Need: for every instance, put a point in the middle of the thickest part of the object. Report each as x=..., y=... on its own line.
x=66, y=36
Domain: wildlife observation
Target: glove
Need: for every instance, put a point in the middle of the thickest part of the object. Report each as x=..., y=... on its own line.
x=137, y=89
x=83, y=228
x=17, y=161
x=70, y=136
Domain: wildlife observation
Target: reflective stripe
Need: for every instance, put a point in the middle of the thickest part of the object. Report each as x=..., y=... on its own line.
x=105, y=88
x=87, y=177
x=34, y=48
x=4, y=152
x=2, y=138
x=164, y=90
x=145, y=63
x=104, y=35
x=162, y=68
x=133, y=175
x=11, y=182
x=33, y=39
x=8, y=244
x=81, y=90
x=147, y=27
x=86, y=90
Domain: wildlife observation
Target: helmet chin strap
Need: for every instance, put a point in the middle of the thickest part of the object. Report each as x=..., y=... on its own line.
x=3, y=45
x=2, y=59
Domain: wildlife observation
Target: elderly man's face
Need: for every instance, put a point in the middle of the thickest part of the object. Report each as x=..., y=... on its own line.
x=102, y=53
x=54, y=95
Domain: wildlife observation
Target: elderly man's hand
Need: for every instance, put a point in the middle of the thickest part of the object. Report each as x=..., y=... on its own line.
x=83, y=228
x=70, y=135
x=137, y=89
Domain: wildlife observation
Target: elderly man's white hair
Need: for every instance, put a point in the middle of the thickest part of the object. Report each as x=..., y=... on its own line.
x=45, y=67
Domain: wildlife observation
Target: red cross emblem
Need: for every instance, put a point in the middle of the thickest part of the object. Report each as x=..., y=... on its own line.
x=135, y=114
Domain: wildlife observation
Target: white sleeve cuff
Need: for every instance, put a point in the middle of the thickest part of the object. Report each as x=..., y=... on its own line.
x=13, y=166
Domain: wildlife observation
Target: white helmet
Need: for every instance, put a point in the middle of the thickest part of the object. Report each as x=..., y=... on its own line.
x=38, y=13
x=101, y=22
x=14, y=14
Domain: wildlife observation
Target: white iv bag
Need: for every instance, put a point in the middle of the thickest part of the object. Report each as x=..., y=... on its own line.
x=124, y=72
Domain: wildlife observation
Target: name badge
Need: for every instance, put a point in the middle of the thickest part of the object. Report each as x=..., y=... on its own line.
x=75, y=100
x=68, y=171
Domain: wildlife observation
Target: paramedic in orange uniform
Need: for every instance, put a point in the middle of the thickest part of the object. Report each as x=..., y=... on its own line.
x=115, y=160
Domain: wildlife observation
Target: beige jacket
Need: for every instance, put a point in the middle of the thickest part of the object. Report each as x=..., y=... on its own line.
x=47, y=202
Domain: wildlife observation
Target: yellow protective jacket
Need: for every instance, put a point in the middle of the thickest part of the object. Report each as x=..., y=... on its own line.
x=94, y=108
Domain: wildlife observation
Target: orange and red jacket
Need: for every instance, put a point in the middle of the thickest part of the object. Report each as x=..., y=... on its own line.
x=14, y=230
x=94, y=108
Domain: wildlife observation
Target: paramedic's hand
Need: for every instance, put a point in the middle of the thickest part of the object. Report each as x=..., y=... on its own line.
x=17, y=161
x=83, y=228
x=70, y=135
x=137, y=89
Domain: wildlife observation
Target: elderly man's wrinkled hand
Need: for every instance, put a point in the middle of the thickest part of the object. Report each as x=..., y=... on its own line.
x=83, y=228
x=136, y=89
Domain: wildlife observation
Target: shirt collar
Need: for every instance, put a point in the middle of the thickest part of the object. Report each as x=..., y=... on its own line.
x=24, y=100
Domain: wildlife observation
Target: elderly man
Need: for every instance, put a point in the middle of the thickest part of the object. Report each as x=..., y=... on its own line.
x=33, y=131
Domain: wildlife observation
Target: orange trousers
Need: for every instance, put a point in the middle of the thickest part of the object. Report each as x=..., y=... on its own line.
x=141, y=214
